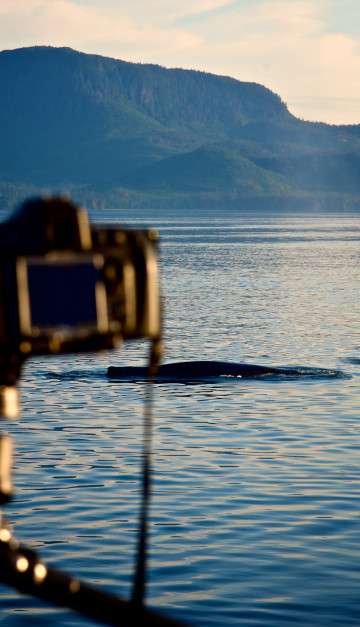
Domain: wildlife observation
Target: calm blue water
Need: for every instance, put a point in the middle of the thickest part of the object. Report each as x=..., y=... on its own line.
x=255, y=516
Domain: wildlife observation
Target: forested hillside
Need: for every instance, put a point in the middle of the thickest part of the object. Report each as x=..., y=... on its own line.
x=118, y=134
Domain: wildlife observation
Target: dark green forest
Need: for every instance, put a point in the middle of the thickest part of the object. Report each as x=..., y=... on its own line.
x=115, y=134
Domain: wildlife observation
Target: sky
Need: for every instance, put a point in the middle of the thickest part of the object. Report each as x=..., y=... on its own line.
x=307, y=51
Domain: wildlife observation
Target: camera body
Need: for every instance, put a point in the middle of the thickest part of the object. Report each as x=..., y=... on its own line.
x=66, y=286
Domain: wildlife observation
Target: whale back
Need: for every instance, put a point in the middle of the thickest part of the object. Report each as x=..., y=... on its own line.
x=192, y=370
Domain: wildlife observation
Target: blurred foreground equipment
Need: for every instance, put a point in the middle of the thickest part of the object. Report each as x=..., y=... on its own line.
x=66, y=286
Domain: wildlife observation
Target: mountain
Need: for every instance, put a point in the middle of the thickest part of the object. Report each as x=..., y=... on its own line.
x=114, y=133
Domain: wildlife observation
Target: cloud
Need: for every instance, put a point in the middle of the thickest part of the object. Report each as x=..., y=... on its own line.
x=287, y=46
x=182, y=9
x=105, y=28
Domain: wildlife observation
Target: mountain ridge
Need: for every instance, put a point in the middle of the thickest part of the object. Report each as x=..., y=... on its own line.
x=113, y=131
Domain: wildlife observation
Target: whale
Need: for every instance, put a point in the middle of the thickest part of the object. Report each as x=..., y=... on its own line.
x=203, y=370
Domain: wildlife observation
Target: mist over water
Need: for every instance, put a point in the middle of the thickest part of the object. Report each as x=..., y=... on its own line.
x=255, y=504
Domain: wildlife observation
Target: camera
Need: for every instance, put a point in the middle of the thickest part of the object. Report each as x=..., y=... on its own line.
x=68, y=286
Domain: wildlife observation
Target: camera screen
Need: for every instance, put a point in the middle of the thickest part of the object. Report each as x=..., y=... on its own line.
x=61, y=294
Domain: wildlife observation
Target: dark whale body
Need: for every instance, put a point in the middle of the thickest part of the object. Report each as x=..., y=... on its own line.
x=198, y=370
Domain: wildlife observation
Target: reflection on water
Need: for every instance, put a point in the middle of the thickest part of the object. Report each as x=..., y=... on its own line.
x=255, y=508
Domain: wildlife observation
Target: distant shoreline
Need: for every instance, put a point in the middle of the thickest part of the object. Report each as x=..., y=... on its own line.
x=11, y=196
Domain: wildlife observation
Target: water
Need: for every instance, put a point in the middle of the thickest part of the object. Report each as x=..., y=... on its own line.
x=255, y=516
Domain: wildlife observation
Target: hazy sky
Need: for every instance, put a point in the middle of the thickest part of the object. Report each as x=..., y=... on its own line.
x=307, y=51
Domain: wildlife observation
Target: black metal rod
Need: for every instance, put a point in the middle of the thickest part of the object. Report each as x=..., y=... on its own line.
x=138, y=593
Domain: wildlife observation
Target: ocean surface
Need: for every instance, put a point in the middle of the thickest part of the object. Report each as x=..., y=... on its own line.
x=255, y=510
